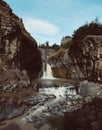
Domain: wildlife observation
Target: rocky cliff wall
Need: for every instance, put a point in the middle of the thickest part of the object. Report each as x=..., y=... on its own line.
x=86, y=63
x=59, y=63
x=17, y=48
x=20, y=63
x=88, y=57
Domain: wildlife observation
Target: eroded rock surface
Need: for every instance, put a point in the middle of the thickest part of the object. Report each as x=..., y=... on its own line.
x=17, y=48
x=20, y=63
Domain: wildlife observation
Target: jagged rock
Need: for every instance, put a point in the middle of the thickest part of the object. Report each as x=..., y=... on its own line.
x=85, y=63
x=17, y=48
x=58, y=62
x=33, y=119
x=87, y=57
x=20, y=63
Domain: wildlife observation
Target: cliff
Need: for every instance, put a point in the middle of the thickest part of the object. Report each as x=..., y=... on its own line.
x=20, y=63
x=60, y=60
x=83, y=61
x=87, y=57
x=17, y=48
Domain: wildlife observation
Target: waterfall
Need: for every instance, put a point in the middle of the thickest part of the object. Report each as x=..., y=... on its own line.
x=47, y=72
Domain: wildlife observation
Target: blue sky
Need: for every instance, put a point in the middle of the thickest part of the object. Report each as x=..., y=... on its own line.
x=50, y=20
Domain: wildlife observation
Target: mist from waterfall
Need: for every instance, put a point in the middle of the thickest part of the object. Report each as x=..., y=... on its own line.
x=47, y=71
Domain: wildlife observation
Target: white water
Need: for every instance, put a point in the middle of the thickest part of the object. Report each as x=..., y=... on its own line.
x=47, y=73
x=58, y=92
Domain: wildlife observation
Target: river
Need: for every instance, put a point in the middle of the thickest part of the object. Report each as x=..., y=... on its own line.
x=55, y=97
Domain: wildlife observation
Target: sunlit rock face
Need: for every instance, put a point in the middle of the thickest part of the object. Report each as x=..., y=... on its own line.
x=84, y=61
x=17, y=48
x=60, y=60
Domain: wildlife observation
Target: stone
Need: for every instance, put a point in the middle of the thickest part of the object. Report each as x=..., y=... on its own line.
x=33, y=119
x=18, y=53
x=15, y=42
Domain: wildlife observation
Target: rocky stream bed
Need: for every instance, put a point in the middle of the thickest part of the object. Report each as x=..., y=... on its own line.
x=50, y=101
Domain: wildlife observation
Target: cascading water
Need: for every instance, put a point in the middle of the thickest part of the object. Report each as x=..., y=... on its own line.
x=47, y=72
x=54, y=97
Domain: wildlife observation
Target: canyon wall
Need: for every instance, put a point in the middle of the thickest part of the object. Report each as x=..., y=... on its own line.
x=17, y=48
x=88, y=57
x=86, y=63
x=20, y=63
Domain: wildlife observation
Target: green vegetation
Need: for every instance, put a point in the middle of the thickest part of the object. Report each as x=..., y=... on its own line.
x=93, y=28
x=47, y=46
x=55, y=47
x=66, y=42
x=67, y=45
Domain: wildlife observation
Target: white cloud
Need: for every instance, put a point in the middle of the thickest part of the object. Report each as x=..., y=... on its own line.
x=37, y=26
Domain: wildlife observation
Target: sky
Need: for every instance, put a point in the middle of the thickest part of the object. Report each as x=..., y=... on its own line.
x=51, y=20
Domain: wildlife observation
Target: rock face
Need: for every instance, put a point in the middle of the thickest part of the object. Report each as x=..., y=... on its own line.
x=88, y=57
x=20, y=63
x=60, y=60
x=17, y=48
x=84, y=61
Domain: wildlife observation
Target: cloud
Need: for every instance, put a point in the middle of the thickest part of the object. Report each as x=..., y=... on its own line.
x=37, y=26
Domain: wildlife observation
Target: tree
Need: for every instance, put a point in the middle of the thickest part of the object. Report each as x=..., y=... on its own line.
x=55, y=47
x=47, y=44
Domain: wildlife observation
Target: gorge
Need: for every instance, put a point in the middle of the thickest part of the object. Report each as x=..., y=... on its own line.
x=36, y=87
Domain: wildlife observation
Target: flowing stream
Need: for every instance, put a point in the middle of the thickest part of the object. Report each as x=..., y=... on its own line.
x=55, y=97
x=54, y=94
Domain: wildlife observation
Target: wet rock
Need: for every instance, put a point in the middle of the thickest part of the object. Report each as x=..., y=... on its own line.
x=33, y=119
x=38, y=99
x=11, y=111
x=16, y=112
x=31, y=102
x=41, y=104
x=51, y=96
